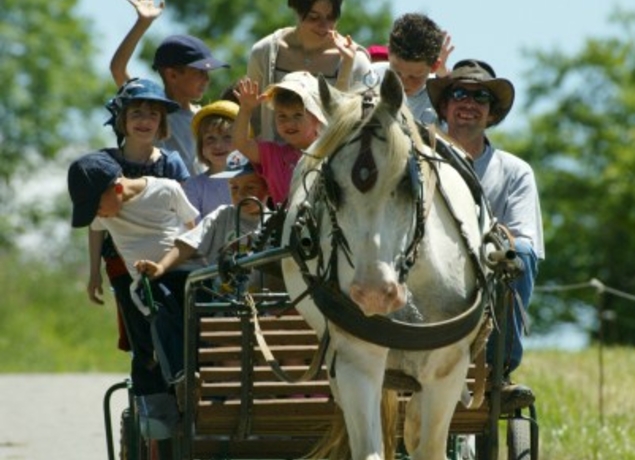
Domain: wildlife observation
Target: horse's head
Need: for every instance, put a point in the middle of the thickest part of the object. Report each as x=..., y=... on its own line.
x=371, y=187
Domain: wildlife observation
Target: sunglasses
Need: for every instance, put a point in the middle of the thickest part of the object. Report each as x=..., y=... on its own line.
x=481, y=96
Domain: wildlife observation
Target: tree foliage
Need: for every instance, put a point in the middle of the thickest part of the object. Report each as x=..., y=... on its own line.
x=581, y=142
x=48, y=87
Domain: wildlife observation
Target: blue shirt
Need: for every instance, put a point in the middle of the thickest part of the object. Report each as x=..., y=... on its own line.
x=510, y=187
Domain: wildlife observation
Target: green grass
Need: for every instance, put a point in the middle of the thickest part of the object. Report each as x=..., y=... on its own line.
x=47, y=324
x=576, y=419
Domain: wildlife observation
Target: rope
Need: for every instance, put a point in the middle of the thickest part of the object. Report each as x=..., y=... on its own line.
x=598, y=285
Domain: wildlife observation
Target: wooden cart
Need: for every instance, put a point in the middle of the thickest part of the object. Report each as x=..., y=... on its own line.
x=238, y=407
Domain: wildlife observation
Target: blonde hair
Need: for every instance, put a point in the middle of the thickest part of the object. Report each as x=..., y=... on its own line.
x=215, y=121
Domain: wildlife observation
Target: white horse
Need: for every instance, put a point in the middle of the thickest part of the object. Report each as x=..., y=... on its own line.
x=390, y=241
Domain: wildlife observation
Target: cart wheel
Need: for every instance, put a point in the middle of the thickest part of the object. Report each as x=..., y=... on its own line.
x=519, y=439
x=132, y=446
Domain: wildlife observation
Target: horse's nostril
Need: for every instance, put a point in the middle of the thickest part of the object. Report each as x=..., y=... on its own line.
x=357, y=293
x=391, y=290
x=377, y=298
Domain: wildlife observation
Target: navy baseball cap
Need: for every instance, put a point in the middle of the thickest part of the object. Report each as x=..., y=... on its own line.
x=89, y=177
x=237, y=165
x=178, y=50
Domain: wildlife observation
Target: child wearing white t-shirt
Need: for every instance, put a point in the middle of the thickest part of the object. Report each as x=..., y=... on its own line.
x=143, y=217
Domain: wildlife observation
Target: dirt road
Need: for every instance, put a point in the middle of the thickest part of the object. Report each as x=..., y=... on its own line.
x=56, y=416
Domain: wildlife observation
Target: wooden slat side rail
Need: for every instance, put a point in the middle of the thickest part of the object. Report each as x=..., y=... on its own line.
x=284, y=420
x=288, y=353
x=278, y=337
x=229, y=374
x=207, y=447
x=265, y=390
x=222, y=324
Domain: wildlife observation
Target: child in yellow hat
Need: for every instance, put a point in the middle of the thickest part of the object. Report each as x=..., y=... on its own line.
x=212, y=128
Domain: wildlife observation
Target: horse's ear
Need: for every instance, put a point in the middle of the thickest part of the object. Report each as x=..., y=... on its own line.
x=328, y=95
x=391, y=91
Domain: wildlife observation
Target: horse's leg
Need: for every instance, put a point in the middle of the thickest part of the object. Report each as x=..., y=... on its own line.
x=429, y=414
x=359, y=369
x=412, y=423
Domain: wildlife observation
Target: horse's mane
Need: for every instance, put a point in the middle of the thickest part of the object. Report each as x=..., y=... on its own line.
x=346, y=121
x=343, y=121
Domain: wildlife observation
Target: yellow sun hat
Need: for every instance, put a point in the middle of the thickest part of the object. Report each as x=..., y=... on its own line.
x=227, y=109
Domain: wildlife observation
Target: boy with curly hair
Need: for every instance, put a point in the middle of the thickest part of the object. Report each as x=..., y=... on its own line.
x=417, y=48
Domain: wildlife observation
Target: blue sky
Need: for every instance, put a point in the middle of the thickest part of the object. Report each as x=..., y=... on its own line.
x=496, y=31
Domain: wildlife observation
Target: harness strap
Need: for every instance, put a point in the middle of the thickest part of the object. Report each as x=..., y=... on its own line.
x=388, y=332
x=429, y=196
x=316, y=362
x=477, y=351
x=448, y=152
x=480, y=271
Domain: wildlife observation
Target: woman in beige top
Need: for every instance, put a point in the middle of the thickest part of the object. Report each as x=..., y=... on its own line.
x=314, y=45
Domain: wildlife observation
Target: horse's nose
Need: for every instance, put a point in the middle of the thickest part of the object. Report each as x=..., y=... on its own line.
x=378, y=298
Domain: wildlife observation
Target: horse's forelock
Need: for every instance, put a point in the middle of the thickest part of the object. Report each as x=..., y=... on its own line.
x=342, y=123
x=345, y=122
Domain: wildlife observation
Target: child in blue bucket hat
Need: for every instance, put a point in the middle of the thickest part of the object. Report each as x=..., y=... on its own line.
x=183, y=63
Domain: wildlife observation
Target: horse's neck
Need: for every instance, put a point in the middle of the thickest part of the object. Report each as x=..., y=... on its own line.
x=445, y=276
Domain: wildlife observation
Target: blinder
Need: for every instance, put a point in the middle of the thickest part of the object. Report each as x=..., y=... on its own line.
x=413, y=172
x=331, y=187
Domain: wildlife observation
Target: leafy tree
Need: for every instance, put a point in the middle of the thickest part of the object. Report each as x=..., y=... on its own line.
x=581, y=142
x=48, y=88
x=231, y=27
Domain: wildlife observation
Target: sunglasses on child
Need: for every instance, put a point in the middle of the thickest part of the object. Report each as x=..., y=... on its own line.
x=481, y=96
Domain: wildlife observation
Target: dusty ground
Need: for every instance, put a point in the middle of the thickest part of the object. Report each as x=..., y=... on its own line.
x=56, y=416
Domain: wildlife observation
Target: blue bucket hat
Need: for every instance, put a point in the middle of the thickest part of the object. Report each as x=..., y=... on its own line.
x=185, y=50
x=237, y=165
x=140, y=89
x=89, y=177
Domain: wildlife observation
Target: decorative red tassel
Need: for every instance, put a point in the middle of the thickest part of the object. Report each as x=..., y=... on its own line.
x=118, y=188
